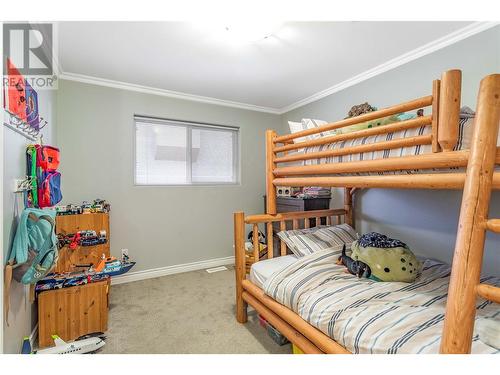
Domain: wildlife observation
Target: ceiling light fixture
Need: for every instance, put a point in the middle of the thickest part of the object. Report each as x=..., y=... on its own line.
x=251, y=32
x=242, y=32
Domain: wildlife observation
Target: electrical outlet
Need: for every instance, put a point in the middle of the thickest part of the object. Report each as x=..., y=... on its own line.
x=125, y=252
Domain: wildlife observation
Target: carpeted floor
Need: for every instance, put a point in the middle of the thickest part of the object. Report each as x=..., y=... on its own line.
x=191, y=312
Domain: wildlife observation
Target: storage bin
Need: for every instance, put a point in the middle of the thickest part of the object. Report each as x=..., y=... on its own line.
x=276, y=335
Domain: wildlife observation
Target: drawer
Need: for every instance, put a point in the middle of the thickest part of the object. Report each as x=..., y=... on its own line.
x=72, y=312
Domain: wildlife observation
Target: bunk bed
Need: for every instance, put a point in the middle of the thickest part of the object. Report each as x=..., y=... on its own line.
x=444, y=166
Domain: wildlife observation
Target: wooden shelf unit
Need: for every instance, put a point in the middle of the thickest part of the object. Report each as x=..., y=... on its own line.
x=76, y=311
x=82, y=254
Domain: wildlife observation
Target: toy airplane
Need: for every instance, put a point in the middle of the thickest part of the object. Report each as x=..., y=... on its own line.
x=88, y=345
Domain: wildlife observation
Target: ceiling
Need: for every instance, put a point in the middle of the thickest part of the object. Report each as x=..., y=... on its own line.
x=299, y=60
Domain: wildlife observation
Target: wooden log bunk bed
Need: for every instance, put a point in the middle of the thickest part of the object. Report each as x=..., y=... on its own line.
x=474, y=173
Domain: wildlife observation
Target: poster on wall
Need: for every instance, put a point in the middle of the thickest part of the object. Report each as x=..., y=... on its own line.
x=32, y=116
x=16, y=92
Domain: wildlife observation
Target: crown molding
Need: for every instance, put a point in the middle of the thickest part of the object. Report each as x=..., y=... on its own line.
x=426, y=49
x=447, y=40
x=162, y=92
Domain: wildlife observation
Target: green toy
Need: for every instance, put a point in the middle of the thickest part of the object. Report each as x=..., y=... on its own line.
x=388, y=259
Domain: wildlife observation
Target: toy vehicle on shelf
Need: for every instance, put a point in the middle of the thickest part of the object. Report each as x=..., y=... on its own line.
x=106, y=268
x=113, y=267
x=68, y=279
x=82, y=238
x=97, y=206
x=86, y=207
x=70, y=209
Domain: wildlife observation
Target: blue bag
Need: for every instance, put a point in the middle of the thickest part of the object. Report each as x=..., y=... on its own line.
x=34, y=249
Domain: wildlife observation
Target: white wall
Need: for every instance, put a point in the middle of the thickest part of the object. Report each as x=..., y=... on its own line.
x=162, y=225
x=22, y=314
x=426, y=220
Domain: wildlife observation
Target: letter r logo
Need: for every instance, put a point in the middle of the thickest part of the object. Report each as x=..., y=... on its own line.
x=29, y=47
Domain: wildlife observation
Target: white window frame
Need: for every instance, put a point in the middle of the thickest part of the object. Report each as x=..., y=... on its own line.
x=189, y=125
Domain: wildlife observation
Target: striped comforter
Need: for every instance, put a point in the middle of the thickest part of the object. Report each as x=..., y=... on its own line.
x=464, y=139
x=372, y=317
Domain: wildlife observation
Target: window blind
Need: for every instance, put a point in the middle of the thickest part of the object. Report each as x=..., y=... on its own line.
x=170, y=152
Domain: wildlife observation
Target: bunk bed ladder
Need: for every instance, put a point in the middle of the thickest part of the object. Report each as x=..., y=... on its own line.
x=465, y=283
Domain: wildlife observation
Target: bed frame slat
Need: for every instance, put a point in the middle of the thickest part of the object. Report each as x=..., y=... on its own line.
x=270, y=239
x=408, y=106
x=282, y=243
x=442, y=181
x=394, y=127
x=256, y=245
x=378, y=146
x=450, y=159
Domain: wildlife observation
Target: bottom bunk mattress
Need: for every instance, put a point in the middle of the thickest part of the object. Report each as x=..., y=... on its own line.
x=366, y=316
x=264, y=269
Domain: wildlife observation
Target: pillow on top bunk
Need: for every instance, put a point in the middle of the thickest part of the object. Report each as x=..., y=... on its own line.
x=307, y=241
x=294, y=128
x=306, y=124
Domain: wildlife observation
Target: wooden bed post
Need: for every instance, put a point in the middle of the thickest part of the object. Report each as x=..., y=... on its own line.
x=270, y=165
x=467, y=259
x=348, y=207
x=239, y=265
x=449, y=109
x=436, y=88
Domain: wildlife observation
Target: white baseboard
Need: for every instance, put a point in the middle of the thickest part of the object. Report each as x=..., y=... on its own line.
x=171, y=270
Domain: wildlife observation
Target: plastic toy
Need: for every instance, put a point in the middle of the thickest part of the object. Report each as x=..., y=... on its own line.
x=86, y=345
x=389, y=259
x=97, y=206
x=68, y=279
x=112, y=266
x=82, y=238
x=354, y=267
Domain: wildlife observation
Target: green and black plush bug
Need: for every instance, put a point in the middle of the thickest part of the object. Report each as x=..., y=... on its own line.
x=354, y=267
x=389, y=259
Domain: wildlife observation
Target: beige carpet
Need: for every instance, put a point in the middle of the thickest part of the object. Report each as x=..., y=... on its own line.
x=191, y=312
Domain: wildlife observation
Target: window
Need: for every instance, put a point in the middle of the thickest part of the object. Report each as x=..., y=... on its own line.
x=169, y=152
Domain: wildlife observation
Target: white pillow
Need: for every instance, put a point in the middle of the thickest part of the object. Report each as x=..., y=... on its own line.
x=297, y=127
x=306, y=124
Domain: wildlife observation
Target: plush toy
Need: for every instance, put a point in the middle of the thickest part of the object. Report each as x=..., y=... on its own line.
x=354, y=267
x=389, y=259
x=364, y=108
x=262, y=244
x=360, y=109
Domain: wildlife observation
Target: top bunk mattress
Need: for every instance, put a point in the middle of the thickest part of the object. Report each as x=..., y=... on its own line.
x=463, y=143
x=371, y=317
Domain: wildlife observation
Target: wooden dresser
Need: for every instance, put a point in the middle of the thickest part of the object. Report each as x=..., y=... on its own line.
x=76, y=311
x=289, y=204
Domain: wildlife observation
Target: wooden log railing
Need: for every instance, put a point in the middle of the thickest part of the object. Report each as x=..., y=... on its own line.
x=443, y=119
x=449, y=109
x=425, y=161
x=439, y=181
x=293, y=220
x=393, y=110
x=473, y=221
x=379, y=146
x=394, y=127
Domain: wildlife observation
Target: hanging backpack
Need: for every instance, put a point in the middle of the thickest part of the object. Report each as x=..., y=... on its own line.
x=34, y=250
x=42, y=164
